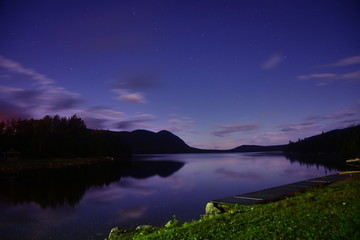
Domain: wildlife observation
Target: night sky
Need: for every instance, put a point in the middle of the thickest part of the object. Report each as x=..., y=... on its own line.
x=218, y=74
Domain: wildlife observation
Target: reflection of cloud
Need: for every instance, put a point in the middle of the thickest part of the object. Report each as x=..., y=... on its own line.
x=181, y=183
x=228, y=174
x=135, y=212
x=115, y=191
x=136, y=186
x=302, y=172
x=272, y=62
x=224, y=130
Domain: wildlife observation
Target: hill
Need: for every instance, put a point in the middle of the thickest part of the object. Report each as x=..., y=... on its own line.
x=57, y=136
x=143, y=141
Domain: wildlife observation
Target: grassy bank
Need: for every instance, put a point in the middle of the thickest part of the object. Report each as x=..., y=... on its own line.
x=331, y=212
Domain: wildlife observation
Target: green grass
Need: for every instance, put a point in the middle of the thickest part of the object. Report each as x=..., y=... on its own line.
x=331, y=212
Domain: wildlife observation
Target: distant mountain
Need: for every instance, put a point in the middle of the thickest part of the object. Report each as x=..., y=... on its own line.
x=257, y=148
x=342, y=141
x=143, y=141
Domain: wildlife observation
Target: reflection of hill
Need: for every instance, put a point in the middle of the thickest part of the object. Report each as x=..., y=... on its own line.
x=145, y=169
x=67, y=186
x=329, y=161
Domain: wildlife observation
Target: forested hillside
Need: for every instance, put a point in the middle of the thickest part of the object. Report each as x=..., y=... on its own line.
x=57, y=137
x=344, y=141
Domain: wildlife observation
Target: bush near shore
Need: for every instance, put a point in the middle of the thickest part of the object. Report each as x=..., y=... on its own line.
x=330, y=212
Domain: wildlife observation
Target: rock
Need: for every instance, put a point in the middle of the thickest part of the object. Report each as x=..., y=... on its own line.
x=114, y=232
x=143, y=227
x=171, y=223
x=213, y=209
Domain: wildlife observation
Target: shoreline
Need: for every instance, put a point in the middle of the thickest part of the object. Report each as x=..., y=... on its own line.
x=298, y=216
x=54, y=163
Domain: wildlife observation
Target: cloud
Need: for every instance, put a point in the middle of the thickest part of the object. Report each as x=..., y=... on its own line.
x=269, y=137
x=338, y=119
x=327, y=78
x=224, y=130
x=179, y=124
x=41, y=96
x=19, y=93
x=10, y=111
x=125, y=95
x=135, y=122
x=331, y=77
x=272, y=62
x=137, y=82
x=131, y=89
x=295, y=127
x=345, y=62
x=17, y=68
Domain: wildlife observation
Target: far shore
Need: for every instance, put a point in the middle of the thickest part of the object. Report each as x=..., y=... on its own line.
x=29, y=163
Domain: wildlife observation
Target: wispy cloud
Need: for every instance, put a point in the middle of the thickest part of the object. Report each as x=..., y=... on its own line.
x=179, y=124
x=224, y=130
x=41, y=95
x=272, y=62
x=131, y=88
x=137, y=82
x=18, y=68
x=327, y=78
x=135, y=122
x=337, y=119
x=344, y=62
x=125, y=95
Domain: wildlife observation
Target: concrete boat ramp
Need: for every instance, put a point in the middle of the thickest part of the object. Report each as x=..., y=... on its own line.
x=276, y=193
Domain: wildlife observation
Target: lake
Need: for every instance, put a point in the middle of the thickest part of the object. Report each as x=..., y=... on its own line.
x=86, y=202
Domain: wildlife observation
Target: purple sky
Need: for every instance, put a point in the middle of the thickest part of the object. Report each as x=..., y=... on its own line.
x=218, y=74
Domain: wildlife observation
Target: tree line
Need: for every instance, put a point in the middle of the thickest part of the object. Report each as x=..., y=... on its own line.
x=55, y=136
x=344, y=141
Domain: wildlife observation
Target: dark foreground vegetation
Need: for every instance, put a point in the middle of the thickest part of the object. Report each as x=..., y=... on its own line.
x=331, y=212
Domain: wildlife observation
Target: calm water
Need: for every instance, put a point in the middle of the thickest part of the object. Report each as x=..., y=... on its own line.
x=85, y=203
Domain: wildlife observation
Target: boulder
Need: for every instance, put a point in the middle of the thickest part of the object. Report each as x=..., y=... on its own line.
x=213, y=209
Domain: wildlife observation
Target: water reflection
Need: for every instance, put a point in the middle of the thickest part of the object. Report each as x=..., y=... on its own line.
x=80, y=203
x=328, y=161
x=67, y=186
